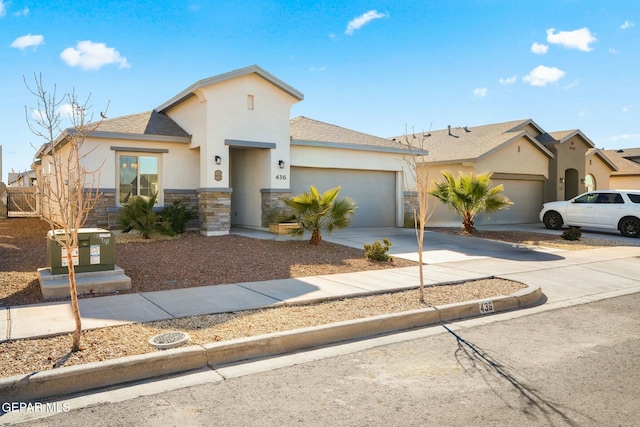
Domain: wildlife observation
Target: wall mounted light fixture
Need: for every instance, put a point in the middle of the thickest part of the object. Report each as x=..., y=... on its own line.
x=561, y=180
x=218, y=160
x=582, y=181
x=281, y=164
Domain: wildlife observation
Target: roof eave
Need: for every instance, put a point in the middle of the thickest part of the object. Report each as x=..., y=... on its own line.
x=523, y=134
x=348, y=146
x=140, y=137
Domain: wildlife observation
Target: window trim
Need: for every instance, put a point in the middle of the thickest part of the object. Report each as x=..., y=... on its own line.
x=140, y=153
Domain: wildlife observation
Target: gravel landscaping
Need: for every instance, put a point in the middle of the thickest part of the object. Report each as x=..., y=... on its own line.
x=194, y=260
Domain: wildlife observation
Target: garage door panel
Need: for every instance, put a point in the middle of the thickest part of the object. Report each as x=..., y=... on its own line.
x=527, y=197
x=373, y=191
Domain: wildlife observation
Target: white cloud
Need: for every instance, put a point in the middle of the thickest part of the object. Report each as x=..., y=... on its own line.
x=508, y=80
x=541, y=75
x=312, y=69
x=576, y=39
x=539, y=48
x=23, y=12
x=3, y=9
x=624, y=109
x=362, y=20
x=572, y=84
x=627, y=25
x=24, y=42
x=66, y=111
x=92, y=56
x=626, y=137
x=612, y=50
x=481, y=92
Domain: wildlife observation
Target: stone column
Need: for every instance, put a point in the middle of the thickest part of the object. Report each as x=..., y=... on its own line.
x=409, y=218
x=272, y=205
x=215, y=211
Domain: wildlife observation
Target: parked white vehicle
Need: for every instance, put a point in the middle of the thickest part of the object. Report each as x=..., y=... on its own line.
x=606, y=209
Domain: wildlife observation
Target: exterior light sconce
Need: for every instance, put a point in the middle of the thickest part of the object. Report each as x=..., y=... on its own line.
x=218, y=160
x=582, y=180
x=561, y=180
x=281, y=164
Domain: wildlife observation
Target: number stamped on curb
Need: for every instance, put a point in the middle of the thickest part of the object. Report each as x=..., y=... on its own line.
x=486, y=307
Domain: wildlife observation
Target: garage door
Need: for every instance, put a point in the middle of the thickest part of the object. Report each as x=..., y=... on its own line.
x=373, y=191
x=527, y=199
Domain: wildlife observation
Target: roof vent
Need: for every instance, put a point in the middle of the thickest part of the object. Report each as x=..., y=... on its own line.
x=620, y=151
x=466, y=129
x=449, y=126
x=427, y=135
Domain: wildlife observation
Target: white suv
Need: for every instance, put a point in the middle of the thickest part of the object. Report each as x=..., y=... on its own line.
x=608, y=209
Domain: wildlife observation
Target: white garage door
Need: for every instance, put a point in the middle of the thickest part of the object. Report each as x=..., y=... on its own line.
x=527, y=199
x=373, y=191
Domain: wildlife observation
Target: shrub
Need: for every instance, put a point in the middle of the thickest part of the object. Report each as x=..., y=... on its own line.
x=177, y=215
x=377, y=251
x=572, y=233
x=137, y=214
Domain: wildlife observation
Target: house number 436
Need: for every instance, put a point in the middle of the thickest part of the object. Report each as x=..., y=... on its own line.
x=281, y=177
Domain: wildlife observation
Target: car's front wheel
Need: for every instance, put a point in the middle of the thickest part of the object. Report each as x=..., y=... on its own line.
x=629, y=226
x=552, y=220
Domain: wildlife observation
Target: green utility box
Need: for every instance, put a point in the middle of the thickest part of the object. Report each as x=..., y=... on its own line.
x=96, y=251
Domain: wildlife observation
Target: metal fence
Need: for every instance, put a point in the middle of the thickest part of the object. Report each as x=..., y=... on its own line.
x=21, y=202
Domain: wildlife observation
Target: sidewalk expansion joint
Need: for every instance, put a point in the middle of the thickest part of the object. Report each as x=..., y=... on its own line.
x=153, y=303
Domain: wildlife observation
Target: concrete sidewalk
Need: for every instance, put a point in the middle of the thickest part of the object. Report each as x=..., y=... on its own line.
x=562, y=275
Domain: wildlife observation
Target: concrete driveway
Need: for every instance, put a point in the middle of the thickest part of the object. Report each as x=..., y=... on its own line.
x=440, y=247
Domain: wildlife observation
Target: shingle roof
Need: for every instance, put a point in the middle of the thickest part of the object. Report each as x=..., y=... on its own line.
x=473, y=143
x=564, y=135
x=305, y=131
x=600, y=153
x=624, y=165
x=147, y=123
x=630, y=153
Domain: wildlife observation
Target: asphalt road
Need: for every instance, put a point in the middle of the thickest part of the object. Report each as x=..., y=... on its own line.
x=576, y=366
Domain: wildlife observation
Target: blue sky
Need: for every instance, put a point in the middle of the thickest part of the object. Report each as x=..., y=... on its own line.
x=379, y=67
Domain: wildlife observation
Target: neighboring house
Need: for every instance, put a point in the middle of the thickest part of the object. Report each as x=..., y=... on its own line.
x=21, y=179
x=627, y=175
x=226, y=147
x=533, y=165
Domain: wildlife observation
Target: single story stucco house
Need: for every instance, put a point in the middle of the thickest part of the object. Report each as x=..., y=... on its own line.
x=226, y=147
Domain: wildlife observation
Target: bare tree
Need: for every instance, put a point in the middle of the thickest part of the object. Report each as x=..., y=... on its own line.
x=419, y=198
x=66, y=190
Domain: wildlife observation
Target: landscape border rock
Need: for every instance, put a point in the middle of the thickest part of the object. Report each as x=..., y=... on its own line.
x=73, y=379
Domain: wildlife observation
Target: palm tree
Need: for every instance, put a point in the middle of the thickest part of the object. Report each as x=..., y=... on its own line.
x=137, y=214
x=316, y=212
x=469, y=195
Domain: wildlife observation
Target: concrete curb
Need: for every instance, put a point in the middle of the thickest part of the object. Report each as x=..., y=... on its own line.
x=73, y=379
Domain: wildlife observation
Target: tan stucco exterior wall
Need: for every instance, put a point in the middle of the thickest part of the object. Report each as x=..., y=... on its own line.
x=518, y=157
x=624, y=182
x=600, y=172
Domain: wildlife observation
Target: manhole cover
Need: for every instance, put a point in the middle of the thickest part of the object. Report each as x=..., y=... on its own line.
x=169, y=339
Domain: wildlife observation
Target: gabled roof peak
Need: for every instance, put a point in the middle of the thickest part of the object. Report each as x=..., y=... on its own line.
x=253, y=69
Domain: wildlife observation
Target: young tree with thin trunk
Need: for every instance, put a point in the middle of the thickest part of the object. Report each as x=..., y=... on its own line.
x=65, y=188
x=419, y=198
